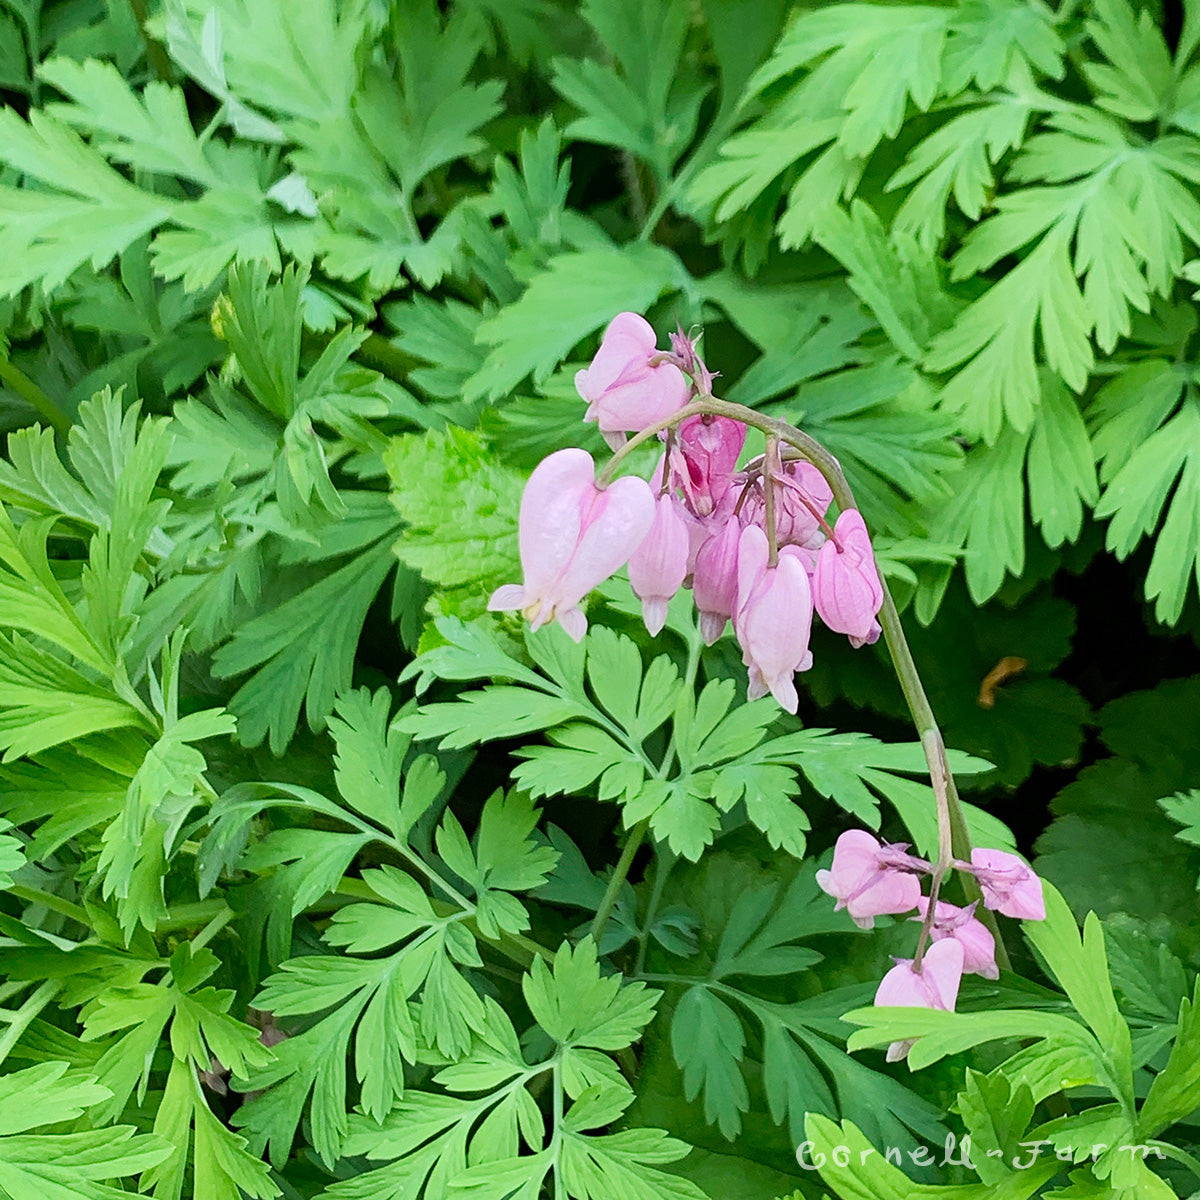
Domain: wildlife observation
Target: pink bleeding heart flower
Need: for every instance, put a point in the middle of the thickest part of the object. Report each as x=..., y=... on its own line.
x=659, y=565
x=625, y=389
x=935, y=985
x=802, y=497
x=961, y=924
x=773, y=621
x=715, y=577
x=1008, y=885
x=703, y=460
x=870, y=879
x=572, y=536
x=846, y=587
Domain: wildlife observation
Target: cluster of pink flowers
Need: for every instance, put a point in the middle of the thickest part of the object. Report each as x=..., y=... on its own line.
x=869, y=879
x=699, y=523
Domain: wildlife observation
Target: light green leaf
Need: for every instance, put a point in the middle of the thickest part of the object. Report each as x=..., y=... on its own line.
x=302, y=652
x=578, y=1007
x=65, y=1166
x=576, y=295
x=459, y=507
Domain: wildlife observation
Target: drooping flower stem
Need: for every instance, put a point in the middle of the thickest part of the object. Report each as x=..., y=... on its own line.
x=771, y=468
x=954, y=841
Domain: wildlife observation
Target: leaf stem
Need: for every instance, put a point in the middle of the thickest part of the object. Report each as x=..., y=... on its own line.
x=1182, y=1156
x=695, y=647
x=156, y=55
x=620, y=872
x=57, y=904
x=13, y=377
x=664, y=861
x=557, y=1114
x=185, y=916
x=25, y=1015
x=214, y=927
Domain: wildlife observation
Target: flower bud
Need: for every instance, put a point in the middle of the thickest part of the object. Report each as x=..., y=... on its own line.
x=658, y=566
x=1008, y=885
x=802, y=497
x=961, y=924
x=846, y=587
x=704, y=458
x=714, y=579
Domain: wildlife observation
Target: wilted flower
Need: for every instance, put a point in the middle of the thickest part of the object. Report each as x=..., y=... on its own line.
x=935, y=985
x=774, y=614
x=658, y=566
x=1008, y=885
x=846, y=587
x=572, y=536
x=961, y=924
x=870, y=879
x=624, y=391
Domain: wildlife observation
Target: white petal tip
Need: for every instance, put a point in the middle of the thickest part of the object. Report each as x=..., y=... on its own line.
x=506, y=598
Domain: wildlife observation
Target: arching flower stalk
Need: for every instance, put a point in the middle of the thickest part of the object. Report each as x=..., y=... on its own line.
x=757, y=547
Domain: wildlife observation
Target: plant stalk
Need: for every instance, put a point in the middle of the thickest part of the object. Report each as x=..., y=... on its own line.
x=632, y=844
x=26, y=1014
x=13, y=377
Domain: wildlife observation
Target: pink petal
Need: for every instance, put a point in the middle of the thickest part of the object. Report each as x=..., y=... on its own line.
x=627, y=338
x=624, y=392
x=979, y=947
x=654, y=615
x=901, y=987
x=658, y=566
x=783, y=688
x=574, y=622
x=796, y=522
x=846, y=588
x=855, y=851
x=774, y=615
x=935, y=986
x=552, y=515
x=614, y=524
x=706, y=453
x=507, y=597
x=942, y=970
x=891, y=893
x=1008, y=885
x=752, y=556
x=642, y=400
x=715, y=579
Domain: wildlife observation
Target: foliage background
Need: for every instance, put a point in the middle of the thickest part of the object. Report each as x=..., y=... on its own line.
x=292, y=298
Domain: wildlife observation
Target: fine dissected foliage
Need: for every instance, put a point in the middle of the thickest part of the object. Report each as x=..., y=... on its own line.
x=320, y=879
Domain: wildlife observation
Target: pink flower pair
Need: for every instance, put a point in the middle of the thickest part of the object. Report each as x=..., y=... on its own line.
x=771, y=605
x=872, y=879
